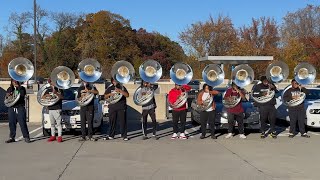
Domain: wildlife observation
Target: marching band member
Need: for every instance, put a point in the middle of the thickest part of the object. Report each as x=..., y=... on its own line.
x=17, y=112
x=235, y=113
x=117, y=110
x=87, y=112
x=209, y=114
x=149, y=109
x=54, y=112
x=296, y=113
x=178, y=113
x=267, y=110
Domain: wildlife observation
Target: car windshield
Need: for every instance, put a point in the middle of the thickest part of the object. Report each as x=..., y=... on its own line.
x=313, y=94
x=69, y=93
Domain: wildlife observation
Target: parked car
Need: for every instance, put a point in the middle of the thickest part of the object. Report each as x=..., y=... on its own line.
x=311, y=104
x=71, y=113
x=251, y=119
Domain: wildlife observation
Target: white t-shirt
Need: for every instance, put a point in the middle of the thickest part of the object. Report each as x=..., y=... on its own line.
x=204, y=97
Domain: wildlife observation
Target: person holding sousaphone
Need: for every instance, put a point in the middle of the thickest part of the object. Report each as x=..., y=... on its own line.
x=207, y=114
x=181, y=74
x=116, y=96
x=89, y=71
x=20, y=70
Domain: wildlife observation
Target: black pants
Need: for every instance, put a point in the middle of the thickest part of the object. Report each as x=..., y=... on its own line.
x=86, y=115
x=206, y=116
x=267, y=113
x=300, y=116
x=18, y=115
x=239, y=118
x=152, y=114
x=122, y=117
x=176, y=116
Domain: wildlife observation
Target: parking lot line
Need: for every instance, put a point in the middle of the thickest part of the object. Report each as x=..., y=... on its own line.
x=314, y=133
x=35, y=130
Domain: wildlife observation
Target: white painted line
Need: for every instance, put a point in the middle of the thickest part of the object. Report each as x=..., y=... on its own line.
x=38, y=135
x=314, y=133
x=35, y=130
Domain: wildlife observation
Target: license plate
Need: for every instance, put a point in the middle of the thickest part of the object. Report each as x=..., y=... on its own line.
x=73, y=120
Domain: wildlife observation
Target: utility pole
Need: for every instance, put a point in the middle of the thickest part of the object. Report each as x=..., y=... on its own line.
x=35, y=38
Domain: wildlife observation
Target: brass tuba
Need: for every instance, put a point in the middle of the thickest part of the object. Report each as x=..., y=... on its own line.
x=242, y=75
x=275, y=72
x=90, y=71
x=181, y=73
x=61, y=77
x=123, y=72
x=150, y=71
x=304, y=73
x=20, y=69
x=213, y=75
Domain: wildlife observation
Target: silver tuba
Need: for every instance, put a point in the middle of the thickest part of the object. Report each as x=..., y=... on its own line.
x=89, y=70
x=276, y=72
x=61, y=77
x=304, y=73
x=213, y=75
x=242, y=75
x=123, y=72
x=181, y=73
x=150, y=71
x=20, y=69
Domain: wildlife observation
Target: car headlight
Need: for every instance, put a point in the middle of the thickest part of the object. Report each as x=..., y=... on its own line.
x=224, y=114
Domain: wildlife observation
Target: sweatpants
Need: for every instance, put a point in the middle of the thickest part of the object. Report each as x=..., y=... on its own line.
x=300, y=116
x=18, y=115
x=205, y=117
x=239, y=118
x=179, y=116
x=86, y=115
x=55, y=119
x=118, y=115
x=152, y=114
x=267, y=113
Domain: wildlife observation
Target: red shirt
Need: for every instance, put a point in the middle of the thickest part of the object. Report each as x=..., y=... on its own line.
x=238, y=108
x=175, y=93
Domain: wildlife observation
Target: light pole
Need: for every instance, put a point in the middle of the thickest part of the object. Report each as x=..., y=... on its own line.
x=35, y=38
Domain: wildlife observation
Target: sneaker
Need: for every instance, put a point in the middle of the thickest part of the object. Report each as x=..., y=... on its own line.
x=229, y=135
x=125, y=139
x=174, y=136
x=52, y=138
x=82, y=139
x=242, y=136
x=183, y=136
x=202, y=137
x=262, y=135
x=213, y=137
x=155, y=137
x=273, y=135
x=92, y=139
x=305, y=135
x=291, y=135
x=59, y=140
x=27, y=140
x=10, y=141
x=108, y=138
x=144, y=137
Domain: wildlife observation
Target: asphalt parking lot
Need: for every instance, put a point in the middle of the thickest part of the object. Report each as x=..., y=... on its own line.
x=229, y=159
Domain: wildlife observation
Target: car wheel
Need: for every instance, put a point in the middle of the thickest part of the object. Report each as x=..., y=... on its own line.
x=46, y=132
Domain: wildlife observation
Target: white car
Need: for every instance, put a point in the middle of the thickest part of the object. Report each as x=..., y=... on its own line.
x=71, y=113
x=311, y=104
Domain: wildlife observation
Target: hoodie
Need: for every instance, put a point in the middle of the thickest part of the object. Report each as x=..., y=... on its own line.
x=175, y=93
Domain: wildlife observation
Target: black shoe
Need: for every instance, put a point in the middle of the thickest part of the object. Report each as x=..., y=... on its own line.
x=144, y=137
x=155, y=137
x=213, y=137
x=263, y=135
x=10, y=141
x=291, y=135
x=82, y=139
x=305, y=135
x=27, y=140
x=273, y=135
x=202, y=137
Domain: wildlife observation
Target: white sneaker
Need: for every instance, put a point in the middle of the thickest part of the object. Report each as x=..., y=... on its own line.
x=183, y=136
x=229, y=135
x=174, y=136
x=242, y=136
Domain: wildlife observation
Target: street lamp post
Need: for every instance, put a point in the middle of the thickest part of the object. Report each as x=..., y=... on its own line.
x=35, y=38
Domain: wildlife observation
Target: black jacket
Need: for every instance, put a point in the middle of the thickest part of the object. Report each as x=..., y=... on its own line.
x=258, y=91
x=22, y=91
x=121, y=104
x=153, y=101
x=292, y=92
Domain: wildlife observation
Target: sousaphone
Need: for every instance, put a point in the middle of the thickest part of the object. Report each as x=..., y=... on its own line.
x=21, y=70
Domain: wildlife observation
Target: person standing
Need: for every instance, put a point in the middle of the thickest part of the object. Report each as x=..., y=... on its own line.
x=17, y=112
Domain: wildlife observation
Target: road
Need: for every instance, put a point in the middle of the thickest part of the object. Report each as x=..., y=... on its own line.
x=229, y=159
